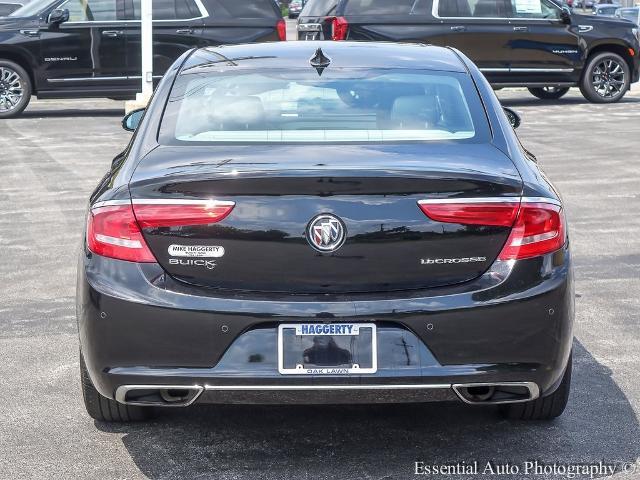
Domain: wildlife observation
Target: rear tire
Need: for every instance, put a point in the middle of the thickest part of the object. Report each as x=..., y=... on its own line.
x=104, y=409
x=15, y=89
x=543, y=408
x=549, y=93
x=606, y=78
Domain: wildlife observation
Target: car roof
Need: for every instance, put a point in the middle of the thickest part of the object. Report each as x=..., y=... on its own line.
x=342, y=55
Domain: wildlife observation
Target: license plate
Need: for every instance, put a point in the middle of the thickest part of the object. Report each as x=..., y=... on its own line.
x=311, y=36
x=327, y=349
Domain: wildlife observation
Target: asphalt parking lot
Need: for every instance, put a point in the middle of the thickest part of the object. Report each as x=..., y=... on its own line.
x=54, y=155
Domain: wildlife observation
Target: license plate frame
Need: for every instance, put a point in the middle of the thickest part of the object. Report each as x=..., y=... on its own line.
x=354, y=369
x=311, y=36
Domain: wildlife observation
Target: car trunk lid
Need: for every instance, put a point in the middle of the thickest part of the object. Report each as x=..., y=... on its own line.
x=263, y=243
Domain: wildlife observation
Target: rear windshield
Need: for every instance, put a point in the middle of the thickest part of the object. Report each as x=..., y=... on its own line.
x=608, y=10
x=342, y=105
x=319, y=8
x=630, y=15
x=242, y=9
x=387, y=7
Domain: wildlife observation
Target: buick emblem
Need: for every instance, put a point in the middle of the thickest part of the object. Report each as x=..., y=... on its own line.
x=326, y=233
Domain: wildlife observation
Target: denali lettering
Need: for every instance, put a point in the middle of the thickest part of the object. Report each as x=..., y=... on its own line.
x=210, y=264
x=61, y=59
x=440, y=261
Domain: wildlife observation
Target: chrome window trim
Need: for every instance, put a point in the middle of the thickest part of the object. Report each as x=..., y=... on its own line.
x=436, y=4
x=534, y=70
x=97, y=79
x=203, y=14
x=528, y=70
x=551, y=201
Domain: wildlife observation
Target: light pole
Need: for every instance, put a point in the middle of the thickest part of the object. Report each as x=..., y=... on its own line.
x=146, y=54
x=146, y=41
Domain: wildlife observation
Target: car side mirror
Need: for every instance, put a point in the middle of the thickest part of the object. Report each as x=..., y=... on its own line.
x=132, y=119
x=565, y=15
x=58, y=16
x=513, y=117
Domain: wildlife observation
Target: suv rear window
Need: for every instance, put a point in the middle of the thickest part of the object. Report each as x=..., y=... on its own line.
x=169, y=9
x=343, y=105
x=319, y=8
x=629, y=14
x=387, y=7
x=91, y=11
x=242, y=9
x=544, y=9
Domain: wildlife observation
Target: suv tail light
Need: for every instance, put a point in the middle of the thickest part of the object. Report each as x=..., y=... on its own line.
x=340, y=28
x=281, y=27
x=537, y=228
x=116, y=231
x=113, y=232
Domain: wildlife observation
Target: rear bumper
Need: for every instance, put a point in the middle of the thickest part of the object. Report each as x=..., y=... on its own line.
x=325, y=393
x=138, y=327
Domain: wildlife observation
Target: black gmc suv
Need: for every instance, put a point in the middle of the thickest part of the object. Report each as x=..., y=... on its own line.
x=91, y=48
x=532, y=43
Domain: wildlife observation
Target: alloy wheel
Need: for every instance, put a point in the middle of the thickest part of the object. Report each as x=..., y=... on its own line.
x=11, y=89
x=608, y=79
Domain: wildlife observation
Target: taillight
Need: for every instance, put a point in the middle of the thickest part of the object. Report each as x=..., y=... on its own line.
x=340, y=28
x=116, y=231
x=113, y=232
x=490, y=213
x=281, y=27
x=539, y=229
x=154, y=214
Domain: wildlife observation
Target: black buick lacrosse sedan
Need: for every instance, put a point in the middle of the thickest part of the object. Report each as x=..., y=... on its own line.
x=317, y=222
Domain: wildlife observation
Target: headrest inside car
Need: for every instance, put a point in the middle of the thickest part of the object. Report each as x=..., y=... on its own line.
x=414, y=112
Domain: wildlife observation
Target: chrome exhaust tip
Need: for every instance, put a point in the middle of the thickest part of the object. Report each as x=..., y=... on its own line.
x=158, y=395
x=496, y=393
